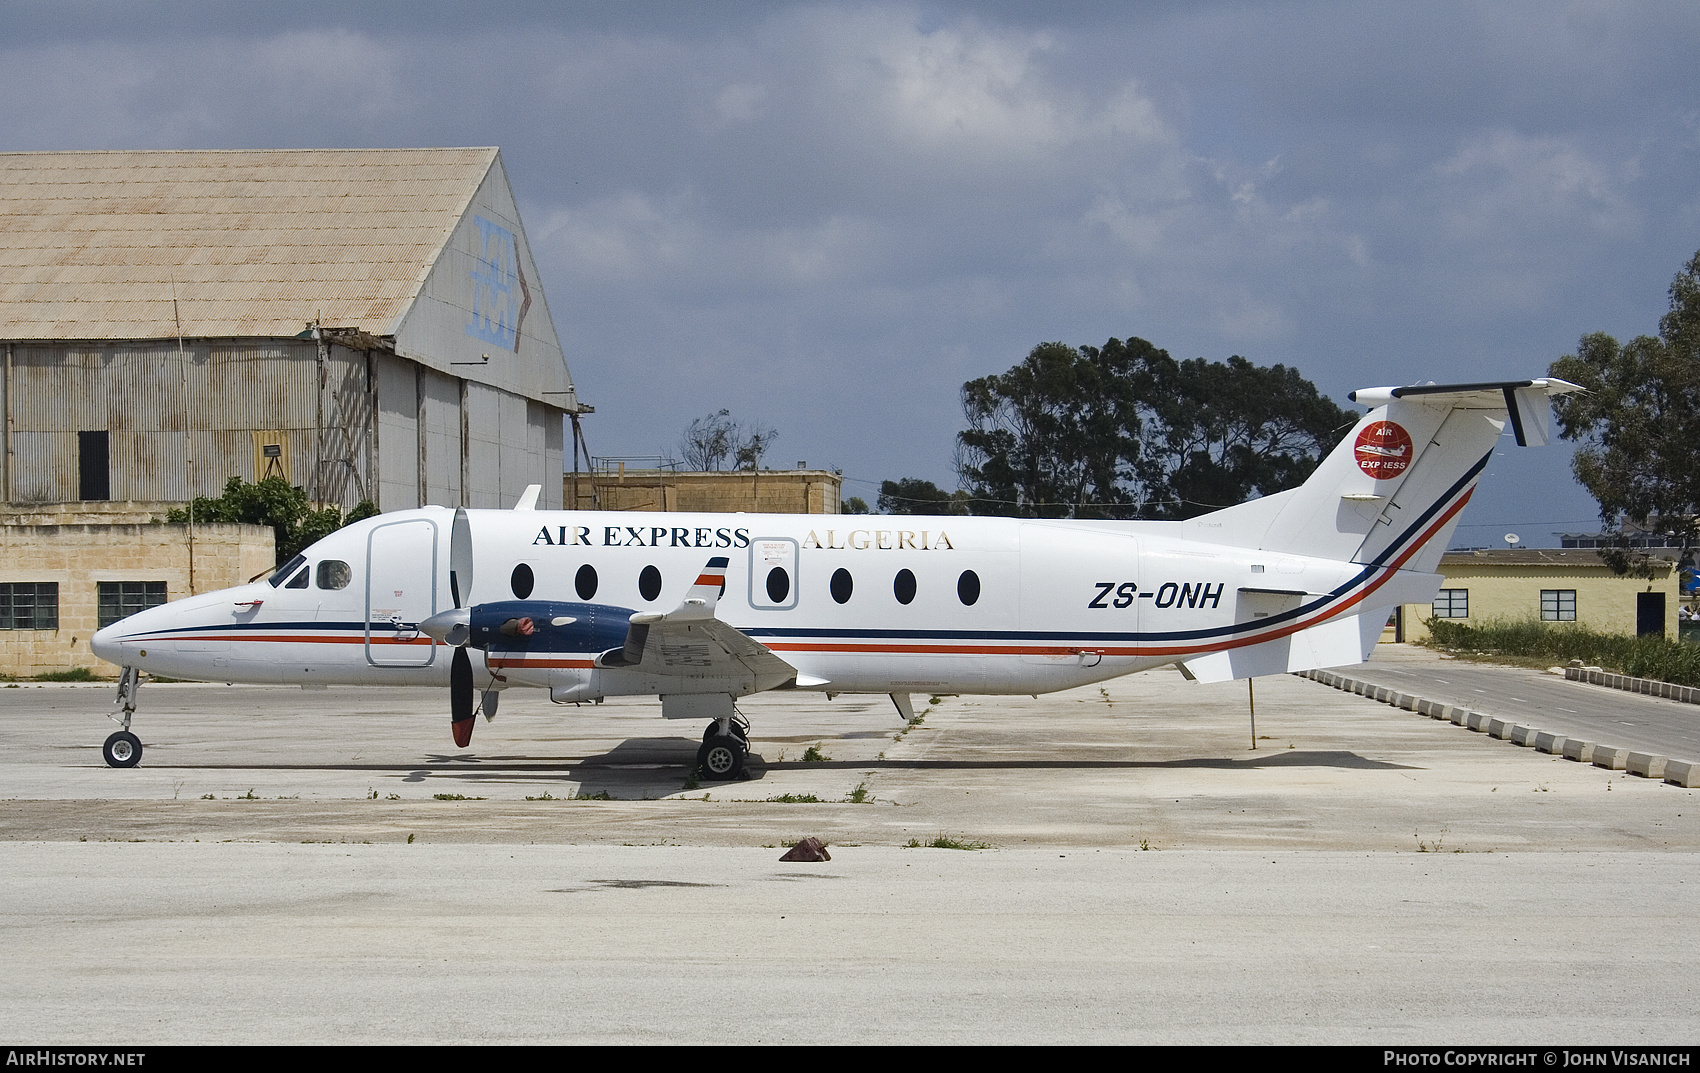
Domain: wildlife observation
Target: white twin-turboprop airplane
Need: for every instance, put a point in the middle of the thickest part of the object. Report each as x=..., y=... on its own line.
x=701, y=609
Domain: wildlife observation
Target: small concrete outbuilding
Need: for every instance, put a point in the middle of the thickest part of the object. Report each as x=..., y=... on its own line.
x=610, y=485
x=366, y=324
x=1552, y=585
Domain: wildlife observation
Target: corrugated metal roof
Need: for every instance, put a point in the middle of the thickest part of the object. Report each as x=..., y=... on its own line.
x=1573, y=557
x=255, y=243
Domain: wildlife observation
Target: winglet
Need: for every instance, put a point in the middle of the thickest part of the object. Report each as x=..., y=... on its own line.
x=697, y=606
x=705, y=592
x=528, y=498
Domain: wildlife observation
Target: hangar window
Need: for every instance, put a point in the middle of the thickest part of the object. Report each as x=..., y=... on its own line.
x=334, y=574
x=121, y=599
x=1452, y=603
x=94, y=470
x=585, y=582
x=968, y=588
x=1558, y=605
x=842, y=585
x=649, y=583
x=903, y=586
x=29, y=605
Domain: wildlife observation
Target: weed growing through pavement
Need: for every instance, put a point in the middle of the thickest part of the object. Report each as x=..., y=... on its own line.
x=859, y=794
x=944, y=841
x=795, y=799
x=454, y=797
x=813, y=755
x=913, y=723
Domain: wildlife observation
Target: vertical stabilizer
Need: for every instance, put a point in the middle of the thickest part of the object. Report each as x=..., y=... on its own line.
x=1390, y=493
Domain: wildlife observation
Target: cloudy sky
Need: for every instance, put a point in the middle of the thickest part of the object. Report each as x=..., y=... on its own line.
x=827, y=217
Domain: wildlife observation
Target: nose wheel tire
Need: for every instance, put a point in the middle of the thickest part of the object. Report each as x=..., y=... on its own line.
x=721, y=757
x=122, y=749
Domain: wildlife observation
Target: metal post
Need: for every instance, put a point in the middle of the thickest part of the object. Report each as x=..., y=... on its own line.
x=1251, y=699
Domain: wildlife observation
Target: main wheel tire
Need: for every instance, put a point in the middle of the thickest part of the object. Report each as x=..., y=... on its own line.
x=122, y=749
x=721, y=758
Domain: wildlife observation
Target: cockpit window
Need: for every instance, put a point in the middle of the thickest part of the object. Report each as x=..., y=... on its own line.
x=283, y=572
x=299, y=581
x=334, y=574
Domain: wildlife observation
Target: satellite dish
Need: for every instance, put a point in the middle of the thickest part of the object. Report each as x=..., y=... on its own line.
x=1512, y=540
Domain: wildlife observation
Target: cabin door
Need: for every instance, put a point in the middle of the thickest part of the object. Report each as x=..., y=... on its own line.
x=401, y=592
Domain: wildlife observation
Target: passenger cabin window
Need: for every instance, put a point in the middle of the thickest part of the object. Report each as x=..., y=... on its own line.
x=334, y=574
x=968, y=588
x=649, y=583
x=842, y=585
x=903, y=586
x=522, y=581
x=585, y=582
x=778, y=584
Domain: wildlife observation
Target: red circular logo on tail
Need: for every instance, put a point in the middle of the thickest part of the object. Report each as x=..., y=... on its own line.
x=1383, y=450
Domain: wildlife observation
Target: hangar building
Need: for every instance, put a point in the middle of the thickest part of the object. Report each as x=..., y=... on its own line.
x=367, y=323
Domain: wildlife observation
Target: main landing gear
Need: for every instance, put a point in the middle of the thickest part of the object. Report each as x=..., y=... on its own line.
x=725, y=744
x=124, y=749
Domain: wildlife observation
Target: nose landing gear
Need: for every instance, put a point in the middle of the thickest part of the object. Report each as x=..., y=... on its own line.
x=124, y=749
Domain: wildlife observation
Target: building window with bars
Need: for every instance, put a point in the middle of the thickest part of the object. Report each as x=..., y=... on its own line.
x=1558, y=605
x=1452, y=603
x=121, y=599
x=29, y=605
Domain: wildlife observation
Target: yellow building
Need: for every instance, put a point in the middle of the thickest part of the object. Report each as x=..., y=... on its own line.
x=1514, y=584
x=767, y=491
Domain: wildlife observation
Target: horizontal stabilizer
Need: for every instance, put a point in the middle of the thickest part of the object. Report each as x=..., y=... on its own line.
x=1338, y=643
x=1526, y=402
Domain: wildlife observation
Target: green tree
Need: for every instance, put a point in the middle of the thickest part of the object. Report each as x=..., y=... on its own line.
x=1638, y=423
x=275, y=502
x=1053, y=436
x=1125, y=431
x=911, y=495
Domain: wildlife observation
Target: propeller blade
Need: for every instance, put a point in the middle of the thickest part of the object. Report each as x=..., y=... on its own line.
x=460, y=559
x=460, y=698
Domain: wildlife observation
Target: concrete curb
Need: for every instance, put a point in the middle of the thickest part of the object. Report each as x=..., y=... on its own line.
x=1652, y=687
x=1684, y=773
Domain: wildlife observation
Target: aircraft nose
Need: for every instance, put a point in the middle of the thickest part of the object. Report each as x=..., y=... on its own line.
x=104, y=643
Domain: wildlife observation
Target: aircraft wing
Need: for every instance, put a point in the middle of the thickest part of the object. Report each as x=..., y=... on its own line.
x=690, y=642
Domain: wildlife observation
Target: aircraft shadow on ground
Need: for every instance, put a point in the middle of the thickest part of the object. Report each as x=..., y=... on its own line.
x=656, y=767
